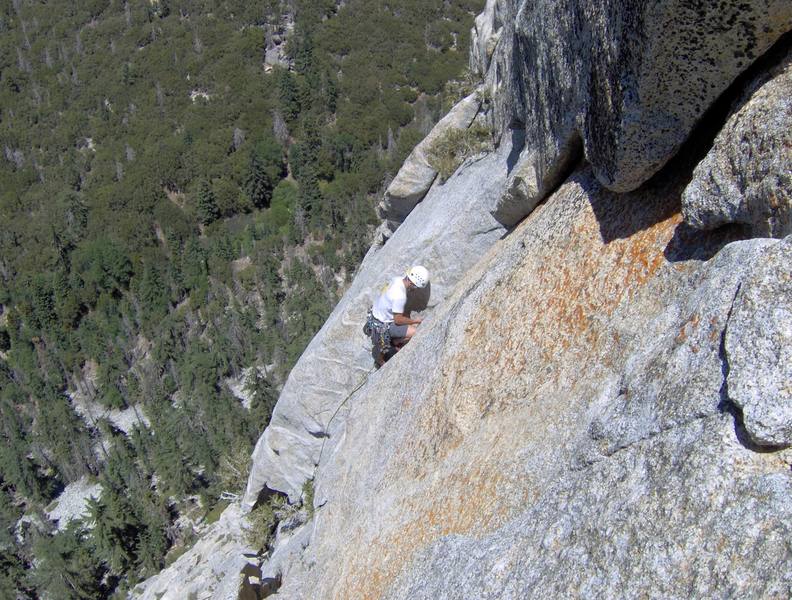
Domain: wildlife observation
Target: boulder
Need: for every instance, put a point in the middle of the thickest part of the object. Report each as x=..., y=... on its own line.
x=289, y=549
x=526, y=187
x=626, y=80
x=416, y=175
x=747, y=175
x=758, y=345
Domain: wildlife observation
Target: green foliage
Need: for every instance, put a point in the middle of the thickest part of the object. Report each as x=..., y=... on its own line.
x=262, y=522
x=258, y=183
x=461, y=87
x=214, y=515
x=66, y=567
x=59, y=428
x=207, y=204
x=264, y=396
x=102, y=266
x=284, y=200
x=308, y=496
x=264, y=518
x=288, y=99
x=450, y=150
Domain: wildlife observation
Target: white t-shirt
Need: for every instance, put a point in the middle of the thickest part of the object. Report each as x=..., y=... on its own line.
x=390, y=301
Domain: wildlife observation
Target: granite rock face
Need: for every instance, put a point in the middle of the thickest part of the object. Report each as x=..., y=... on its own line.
x=416, y=175
x=597, y=534
x=626, y=80
x=558, y=428
x=447, y=232
x=758, y=345
x=747, y=176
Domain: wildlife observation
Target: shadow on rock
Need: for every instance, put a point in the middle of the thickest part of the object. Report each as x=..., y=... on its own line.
x=518, y=143
x=418, y=299
x=620, y=216
x=693, y=244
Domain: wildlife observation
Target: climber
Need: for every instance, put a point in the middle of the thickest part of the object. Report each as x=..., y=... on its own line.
x=388, y=325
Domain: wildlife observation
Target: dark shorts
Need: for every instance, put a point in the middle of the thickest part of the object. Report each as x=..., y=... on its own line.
x=397, y=331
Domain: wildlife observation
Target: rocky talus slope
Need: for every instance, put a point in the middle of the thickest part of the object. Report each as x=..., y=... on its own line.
x=599, y=402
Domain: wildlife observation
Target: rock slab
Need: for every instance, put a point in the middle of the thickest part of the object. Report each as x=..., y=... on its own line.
x=448, y=232
x=566, y=437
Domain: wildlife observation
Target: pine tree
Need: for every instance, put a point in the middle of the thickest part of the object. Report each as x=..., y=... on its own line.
x=310, y=197
x=265, y=396
x=65, y=568
x=258, y=183
x=16, y=468
x=288, y=96
x=207, y=204
x=193, y=264
x=153, y=295
x=330, y=93
x=62, y=431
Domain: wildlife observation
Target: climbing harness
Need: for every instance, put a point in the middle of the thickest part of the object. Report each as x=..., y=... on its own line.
x=379, y=333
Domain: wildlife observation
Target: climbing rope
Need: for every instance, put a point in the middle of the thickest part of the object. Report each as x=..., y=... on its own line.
x=333, y=416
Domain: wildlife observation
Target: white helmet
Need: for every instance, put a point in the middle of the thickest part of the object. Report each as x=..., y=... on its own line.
x=418, y=275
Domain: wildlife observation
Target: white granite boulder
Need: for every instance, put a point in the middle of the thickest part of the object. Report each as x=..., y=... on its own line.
x=747, y=175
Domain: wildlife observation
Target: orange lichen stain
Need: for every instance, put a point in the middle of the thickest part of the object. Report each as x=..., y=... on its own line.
x=461, y=504
x=685, y=330
x=715, y=330
x=549, y=319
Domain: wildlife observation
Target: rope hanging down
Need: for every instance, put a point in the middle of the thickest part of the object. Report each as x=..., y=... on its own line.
x=333, y=416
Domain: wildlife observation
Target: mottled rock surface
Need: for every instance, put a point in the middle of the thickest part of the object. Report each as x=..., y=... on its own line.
x=416, y=175
x=630, y=528
x=566, y=433
x=747, y=176
x=448, y=232
x=758, y=345
x=629, y=80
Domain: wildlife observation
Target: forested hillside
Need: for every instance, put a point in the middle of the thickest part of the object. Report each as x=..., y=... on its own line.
x=175, y=210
